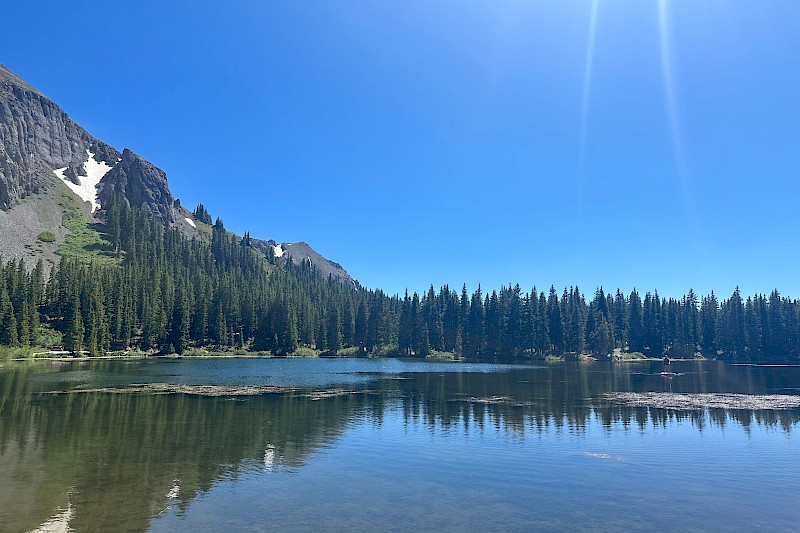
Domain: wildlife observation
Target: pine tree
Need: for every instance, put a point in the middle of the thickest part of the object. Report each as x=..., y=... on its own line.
x=8, y=321
x=635, y=325
x=620, y=319
x=492, y=326
x=776, y=330
x=691, y=321
x=376, y=326
x=74, y=336
x=731, y=332
x=404, y=327
x=201, y=214
x=602, y=339
x=708, y=324
x=450, y=322
x=179, y=324
x=420, y=342
x=334, y=330
x=360, y=327
x=541, y=332
x=753, y=331
x=474, y=329
x=555, y=324
x=433, y=319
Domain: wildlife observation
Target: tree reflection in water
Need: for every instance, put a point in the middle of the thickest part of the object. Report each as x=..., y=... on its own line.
x=114, y=461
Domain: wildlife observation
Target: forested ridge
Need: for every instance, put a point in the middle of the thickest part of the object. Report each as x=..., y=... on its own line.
x=170, y=294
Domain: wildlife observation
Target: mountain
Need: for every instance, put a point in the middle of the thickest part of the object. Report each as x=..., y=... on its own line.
x=38, y=139
x=44, y=155
x=301, y=251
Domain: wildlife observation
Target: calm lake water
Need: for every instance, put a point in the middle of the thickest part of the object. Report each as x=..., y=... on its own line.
x=391, y=445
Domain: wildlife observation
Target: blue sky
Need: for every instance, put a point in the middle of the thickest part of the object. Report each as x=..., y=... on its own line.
x=458, y=142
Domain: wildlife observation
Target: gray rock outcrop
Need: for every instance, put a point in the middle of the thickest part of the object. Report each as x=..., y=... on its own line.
x=37, y=137
x=141, y=183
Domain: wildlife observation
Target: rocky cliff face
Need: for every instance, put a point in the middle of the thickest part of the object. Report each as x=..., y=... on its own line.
x=142, y=183
x=40, y=144
x=37, y=138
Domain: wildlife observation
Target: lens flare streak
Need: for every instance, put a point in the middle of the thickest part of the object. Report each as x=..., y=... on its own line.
x=587, y=84
x=689, y=206
x=669, y=83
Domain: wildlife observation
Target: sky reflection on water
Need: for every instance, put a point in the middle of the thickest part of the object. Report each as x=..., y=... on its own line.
x=411, y=445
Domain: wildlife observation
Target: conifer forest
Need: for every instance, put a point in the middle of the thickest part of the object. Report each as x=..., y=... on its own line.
x=166, y=293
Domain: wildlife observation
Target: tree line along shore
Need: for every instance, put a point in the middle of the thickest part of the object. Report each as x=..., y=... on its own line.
x=157, y=291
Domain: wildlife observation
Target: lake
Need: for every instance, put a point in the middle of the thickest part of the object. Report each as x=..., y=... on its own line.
x=397, y=445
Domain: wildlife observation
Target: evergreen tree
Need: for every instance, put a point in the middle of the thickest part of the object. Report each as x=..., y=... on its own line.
x=555, y=324
x=360, y=326
x=179, y=324
x=602, y=339
x=201, y=214
x=404, y=330
x=731, y=332
x=620, y=319
x=376, y=326
x=541, y=333
x=708, y=324
x=474, y=329
x=753, y=330
x=334, y=330
x=635, y=324
x=8, y=320
x=450, y=319
x=419, y=329
x=74, y=335
x=433, y=319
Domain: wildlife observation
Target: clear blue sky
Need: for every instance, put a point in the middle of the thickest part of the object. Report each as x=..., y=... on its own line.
x=423, y=142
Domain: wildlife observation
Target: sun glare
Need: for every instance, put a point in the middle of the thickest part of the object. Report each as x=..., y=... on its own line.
x=587, y=83
x=687, y=197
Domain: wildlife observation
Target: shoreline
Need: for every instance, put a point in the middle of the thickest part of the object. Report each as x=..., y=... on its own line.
x=59, y=357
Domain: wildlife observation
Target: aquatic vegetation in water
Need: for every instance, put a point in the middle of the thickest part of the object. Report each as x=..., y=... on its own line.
x=194, y=390
x=213, y=390
x=496, y=400
x=695, y=401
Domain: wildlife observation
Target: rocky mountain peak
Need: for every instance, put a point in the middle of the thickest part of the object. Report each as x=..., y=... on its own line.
x=9, y=79
x=37, y=139
x=141, y=183
x=40, y=144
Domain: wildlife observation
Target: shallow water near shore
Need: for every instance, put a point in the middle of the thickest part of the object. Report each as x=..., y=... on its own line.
x=394, y=445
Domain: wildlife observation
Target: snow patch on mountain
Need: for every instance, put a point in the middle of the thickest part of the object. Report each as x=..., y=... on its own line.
x=87, y=188
x=278, y=250
x=190, y=222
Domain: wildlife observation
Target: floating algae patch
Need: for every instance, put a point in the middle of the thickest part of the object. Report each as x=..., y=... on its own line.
x=214, y=390
x=333, y=393
x=495, y=400
x=692, y=402
x=194, y=390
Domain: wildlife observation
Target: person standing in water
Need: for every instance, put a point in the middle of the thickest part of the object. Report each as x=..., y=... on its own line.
x=666, y=365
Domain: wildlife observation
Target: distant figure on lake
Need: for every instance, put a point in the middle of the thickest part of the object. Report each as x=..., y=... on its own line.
x=666, y=365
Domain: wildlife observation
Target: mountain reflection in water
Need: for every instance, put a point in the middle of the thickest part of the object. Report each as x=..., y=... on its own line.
x=104, y=461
